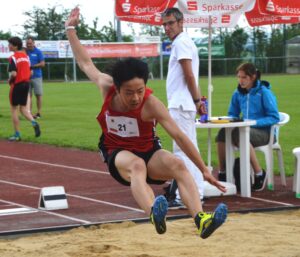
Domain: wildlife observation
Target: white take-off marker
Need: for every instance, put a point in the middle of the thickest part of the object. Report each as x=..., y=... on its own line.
x=53, y=198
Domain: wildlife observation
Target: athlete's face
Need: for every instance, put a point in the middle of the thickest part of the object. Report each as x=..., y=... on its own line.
x=245, y=80
x=11, y=47
x=132, y=93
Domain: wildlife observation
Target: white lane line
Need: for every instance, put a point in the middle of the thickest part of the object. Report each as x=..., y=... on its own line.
x=53, y=164
x=39, y=229
x=16, y=211
x=17, y=184
x=107, y=203
x=270, y=201
x=50, y=213
x=77, y=196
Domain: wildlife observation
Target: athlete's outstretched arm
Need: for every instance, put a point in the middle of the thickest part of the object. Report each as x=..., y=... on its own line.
x=157, y=111
x=85, y=63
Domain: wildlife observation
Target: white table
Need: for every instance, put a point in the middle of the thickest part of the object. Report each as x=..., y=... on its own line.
x=244, y=128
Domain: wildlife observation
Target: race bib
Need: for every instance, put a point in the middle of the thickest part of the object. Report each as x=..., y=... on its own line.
x=122, y=126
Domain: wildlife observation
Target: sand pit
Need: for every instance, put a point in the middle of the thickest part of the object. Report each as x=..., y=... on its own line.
x=255, y=234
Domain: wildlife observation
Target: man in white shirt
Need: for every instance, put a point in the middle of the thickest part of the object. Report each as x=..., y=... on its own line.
x=183, y=93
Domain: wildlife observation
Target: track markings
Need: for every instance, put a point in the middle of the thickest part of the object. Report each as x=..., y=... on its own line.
x=76, y=196
x=271, y=201
x=16, y=211
x=53, y=164
x=51, y=213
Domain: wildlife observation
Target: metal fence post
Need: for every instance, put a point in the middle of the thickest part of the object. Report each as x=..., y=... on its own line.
x=48, y=64
x=74, y=70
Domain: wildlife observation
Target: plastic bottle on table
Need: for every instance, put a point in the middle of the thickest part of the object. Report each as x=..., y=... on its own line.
x=204, y=117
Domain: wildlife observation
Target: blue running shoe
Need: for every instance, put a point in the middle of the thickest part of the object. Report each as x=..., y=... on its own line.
x=158, y=214
x=210, y=222
x=37, y=130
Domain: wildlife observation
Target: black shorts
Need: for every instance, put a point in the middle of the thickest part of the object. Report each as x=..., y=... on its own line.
x=110, y=161
x=19, y=93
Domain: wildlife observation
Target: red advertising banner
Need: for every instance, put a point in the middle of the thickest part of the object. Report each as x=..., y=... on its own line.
x=217, y=21
x=216, y=7
x=147, y=19
x=256, y=18
x=122, y=50
x=142, y=11
x=62, y=49
x=279, y=7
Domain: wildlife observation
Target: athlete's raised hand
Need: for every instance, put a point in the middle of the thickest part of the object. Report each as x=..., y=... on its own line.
x=73, y=19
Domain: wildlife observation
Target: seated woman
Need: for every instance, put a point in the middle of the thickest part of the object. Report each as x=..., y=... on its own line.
x=253, y=100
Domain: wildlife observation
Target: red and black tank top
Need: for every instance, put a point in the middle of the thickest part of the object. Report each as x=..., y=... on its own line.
x=22, y=66
x=126, y=130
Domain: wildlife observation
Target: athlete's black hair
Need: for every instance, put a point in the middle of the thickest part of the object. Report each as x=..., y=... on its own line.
x=127, y=69
x=16, y=41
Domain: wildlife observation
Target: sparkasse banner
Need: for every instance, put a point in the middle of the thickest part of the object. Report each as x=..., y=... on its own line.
x=256, y=18
x=216, y=7
x=148, y=12
x=221, y=13
x=279, y=7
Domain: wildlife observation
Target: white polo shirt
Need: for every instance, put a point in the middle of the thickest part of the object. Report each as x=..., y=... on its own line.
x=178, y=94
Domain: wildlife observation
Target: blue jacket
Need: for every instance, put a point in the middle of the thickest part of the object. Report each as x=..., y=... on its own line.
x=259, y=103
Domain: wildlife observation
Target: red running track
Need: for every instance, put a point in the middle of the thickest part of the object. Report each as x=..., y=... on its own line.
x=93, y=196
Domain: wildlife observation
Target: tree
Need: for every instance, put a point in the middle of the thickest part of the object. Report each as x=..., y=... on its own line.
x=108, y=34
x=45, y=24
x=86, y=32
x=275, y=50
x=4, y=35
x=235, y=42
x=151, y=30
x=49, y=24
x=293, y=30
x=261, y=40
x=275, y=46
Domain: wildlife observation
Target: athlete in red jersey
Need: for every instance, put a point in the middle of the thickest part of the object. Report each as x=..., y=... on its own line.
x=129, y=147
x=19, y=70
x=132, y=133
x=126, y=131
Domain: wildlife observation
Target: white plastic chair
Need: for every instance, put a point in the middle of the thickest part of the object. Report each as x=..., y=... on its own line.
x=274, y=146
x=296, y=179
x=268, y=152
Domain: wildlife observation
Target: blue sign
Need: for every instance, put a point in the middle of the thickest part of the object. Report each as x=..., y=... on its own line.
x=166, y=47
x=50, y=54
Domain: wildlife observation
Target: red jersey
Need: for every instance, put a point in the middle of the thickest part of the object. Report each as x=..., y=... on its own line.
x=126, y=130
x=20, y=63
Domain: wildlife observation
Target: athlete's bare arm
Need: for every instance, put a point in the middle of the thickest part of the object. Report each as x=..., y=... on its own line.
x=155, y=109
x=102, y=80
